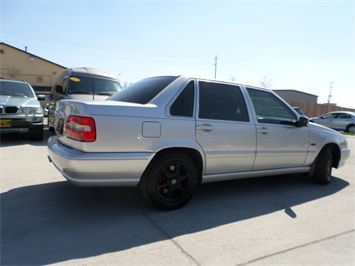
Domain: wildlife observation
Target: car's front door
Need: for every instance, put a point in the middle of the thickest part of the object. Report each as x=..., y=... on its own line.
x=224, y=130
x=327, y=120
x=280, y=143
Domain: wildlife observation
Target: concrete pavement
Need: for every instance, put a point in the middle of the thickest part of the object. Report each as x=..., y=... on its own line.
x=264, y=221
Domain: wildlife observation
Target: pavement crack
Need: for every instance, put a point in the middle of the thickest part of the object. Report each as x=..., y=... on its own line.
x=171, y=239
x=297, y=247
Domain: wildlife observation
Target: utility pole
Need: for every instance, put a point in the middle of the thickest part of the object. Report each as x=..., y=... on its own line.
x=215, y=66
x=330, y=92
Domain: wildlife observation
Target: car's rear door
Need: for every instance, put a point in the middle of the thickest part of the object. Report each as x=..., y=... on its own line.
x=280, y=143
x=341, y=121
x=223, y=128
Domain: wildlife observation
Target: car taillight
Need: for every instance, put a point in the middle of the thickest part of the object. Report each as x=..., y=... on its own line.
x=80, y=128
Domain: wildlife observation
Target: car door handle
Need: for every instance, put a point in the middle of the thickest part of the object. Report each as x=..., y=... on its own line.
x=205, y=127
x=263, y=130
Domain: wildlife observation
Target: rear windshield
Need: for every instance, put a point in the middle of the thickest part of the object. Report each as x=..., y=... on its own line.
x=142, y=92
x=15, y=89
x=89, y=85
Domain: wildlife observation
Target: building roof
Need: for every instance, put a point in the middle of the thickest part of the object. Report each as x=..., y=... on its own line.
x=296, y=91
x=22, y=51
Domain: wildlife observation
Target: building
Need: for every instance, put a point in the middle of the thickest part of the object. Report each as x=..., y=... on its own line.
x=17, y=64
x=308, y=103
x=297, y=96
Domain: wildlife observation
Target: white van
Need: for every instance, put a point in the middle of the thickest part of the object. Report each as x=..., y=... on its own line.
x=81, y=83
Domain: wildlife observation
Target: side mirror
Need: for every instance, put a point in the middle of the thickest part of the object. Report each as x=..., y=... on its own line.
x=302, y=121
x=41, y=97
x=59, y=89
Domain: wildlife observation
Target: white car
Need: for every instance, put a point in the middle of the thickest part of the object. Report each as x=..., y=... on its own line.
x=169, y=134
x=20, y=110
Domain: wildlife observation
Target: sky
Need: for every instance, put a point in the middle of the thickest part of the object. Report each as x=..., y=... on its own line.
x=303, y=45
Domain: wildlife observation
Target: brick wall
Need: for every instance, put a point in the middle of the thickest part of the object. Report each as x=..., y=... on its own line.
x=314, y=109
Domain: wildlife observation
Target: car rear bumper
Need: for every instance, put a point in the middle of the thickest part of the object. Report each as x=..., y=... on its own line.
x=97, y=169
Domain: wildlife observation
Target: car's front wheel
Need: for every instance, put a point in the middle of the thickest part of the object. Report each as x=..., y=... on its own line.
x=323, y=168
x=170, y=181
x=351, y=129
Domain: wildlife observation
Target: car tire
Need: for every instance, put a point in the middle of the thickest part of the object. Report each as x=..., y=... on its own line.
x=323, y=168
x=170, y=181
x=350, y=129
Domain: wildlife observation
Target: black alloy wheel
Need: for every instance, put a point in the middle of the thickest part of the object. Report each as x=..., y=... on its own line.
x=170, y=181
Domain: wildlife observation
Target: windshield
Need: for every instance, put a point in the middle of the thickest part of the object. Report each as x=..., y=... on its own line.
x=15, y=89
x=90, y=86
x=143, y=91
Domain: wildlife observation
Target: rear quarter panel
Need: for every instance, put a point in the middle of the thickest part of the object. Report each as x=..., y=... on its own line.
x=124, y=127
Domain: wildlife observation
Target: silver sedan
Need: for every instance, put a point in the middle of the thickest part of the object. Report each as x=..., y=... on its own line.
x=169, y=134
x=344, y=121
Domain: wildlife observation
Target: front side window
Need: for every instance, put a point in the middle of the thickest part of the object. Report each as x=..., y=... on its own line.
x=329, y=116
x=184, y=104
x=270, y=109
x=61, y=89
x=222, y=102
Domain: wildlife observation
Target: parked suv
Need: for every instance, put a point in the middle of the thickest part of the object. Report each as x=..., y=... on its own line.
x=20, y=110
x=81, y=83
x=169, y=134
x=339, y=120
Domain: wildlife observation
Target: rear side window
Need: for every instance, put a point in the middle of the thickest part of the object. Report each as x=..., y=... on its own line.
x=344, y=116
x=222, y=102
x=184, y=104
x=143, y=91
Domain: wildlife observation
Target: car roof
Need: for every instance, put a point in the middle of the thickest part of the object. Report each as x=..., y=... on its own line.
x=13, y=81
x=90, y=72
x=224, y=81
x=342, y=112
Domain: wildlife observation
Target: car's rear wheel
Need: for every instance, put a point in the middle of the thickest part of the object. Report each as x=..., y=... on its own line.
x=323, y=169
x=170, y=181
x=351, y=128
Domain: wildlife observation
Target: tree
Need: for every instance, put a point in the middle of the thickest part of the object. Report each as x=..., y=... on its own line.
x=233, y=78
x=266, y=82
x=125, y=84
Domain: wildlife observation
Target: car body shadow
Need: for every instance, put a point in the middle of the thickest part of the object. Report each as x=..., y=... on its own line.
x=57, y=222
x=7, y=140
